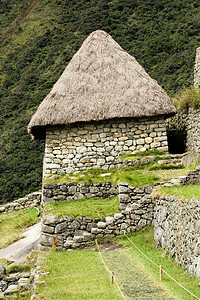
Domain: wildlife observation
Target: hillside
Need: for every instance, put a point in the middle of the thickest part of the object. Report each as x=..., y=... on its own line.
x=38, y=39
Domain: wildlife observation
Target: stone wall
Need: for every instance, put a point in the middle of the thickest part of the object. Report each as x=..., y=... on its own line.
x=197, y=69
x=98, y=144
x=30, y=200
x=136, y=211
x=74, y=190
x=188, y=122
x=177, y=228
x=13, y=283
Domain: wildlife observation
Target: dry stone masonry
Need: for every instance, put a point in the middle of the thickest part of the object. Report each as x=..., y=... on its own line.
x=73, y=190
x=136, y=211
x=188, y=122
x=177, y=228
x=13, y=283
x=82, y=146
x=197, y=69
x=30, y=200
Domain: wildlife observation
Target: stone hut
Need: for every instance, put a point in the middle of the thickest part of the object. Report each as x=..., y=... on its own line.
x=104, y=104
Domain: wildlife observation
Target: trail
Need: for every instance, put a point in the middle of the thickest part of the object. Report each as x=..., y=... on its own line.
x=18, y=251
x=19, y=21
x=134, y=282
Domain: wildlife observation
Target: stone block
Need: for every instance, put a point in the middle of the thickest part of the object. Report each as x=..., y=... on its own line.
x=81, y=149
x=50, y=220
x=118, y=216
x=96, y=230
x=61, y=227
x=124, y=198
x=123, y=189
x=148, y=140
x=109, y=220
x=101, y=225
x=3, y=286
x=101, y=162
x=46, y=240
x=52, y=166
x=87, y=236
x=68, y=244
x=47, y=229
x=13, y=288
x=78, y=239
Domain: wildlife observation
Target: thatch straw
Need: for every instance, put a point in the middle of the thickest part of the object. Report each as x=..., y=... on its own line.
x=102, y=81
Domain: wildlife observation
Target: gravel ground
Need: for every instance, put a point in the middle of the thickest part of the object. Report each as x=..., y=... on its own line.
x=133, y=281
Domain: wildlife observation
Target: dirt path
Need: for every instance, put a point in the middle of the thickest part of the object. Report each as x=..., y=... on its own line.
x=133, y=281
x=19, y=250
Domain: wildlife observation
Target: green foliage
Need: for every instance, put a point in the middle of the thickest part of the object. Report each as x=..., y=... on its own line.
x=91, y=208
x=187, y=97
x=38, y=39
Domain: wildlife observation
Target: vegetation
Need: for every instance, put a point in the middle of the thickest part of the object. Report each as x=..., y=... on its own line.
x=145, y=242
x=187, y=97
x=38, y=39
x=185, y=191
x=91, y=208
x=140, y=154
x=138, y=175
x=13, y=223
x=88, y=278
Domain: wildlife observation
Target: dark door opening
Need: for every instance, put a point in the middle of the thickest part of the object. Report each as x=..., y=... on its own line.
x=177, y=141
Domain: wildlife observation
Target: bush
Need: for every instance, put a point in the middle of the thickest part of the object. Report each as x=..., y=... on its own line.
x=187, y=97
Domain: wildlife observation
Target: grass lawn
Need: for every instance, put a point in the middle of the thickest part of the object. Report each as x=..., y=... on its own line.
x=91, y=208
x=81, y=274
x=137, y=176
x=145, y=242
x=185, y=191
x=13, y=223
x=76, y=275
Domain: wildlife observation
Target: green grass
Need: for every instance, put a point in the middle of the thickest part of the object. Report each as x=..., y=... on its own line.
x=140, y=154
x=76, y=275
x=185, y=191
x=81, y=275
x=145, y=242
x=91, y=208
x=138, y=175
x=13, y=223
x=166, y=167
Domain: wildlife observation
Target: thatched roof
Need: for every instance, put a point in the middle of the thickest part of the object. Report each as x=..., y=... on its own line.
x=102, y=81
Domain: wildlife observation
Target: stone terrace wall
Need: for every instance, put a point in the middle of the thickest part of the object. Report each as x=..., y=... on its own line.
x=93, y=145
x=197, y=69
x=74, y=190
x=30, y=200
x=136, y=211
x=177, y=228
